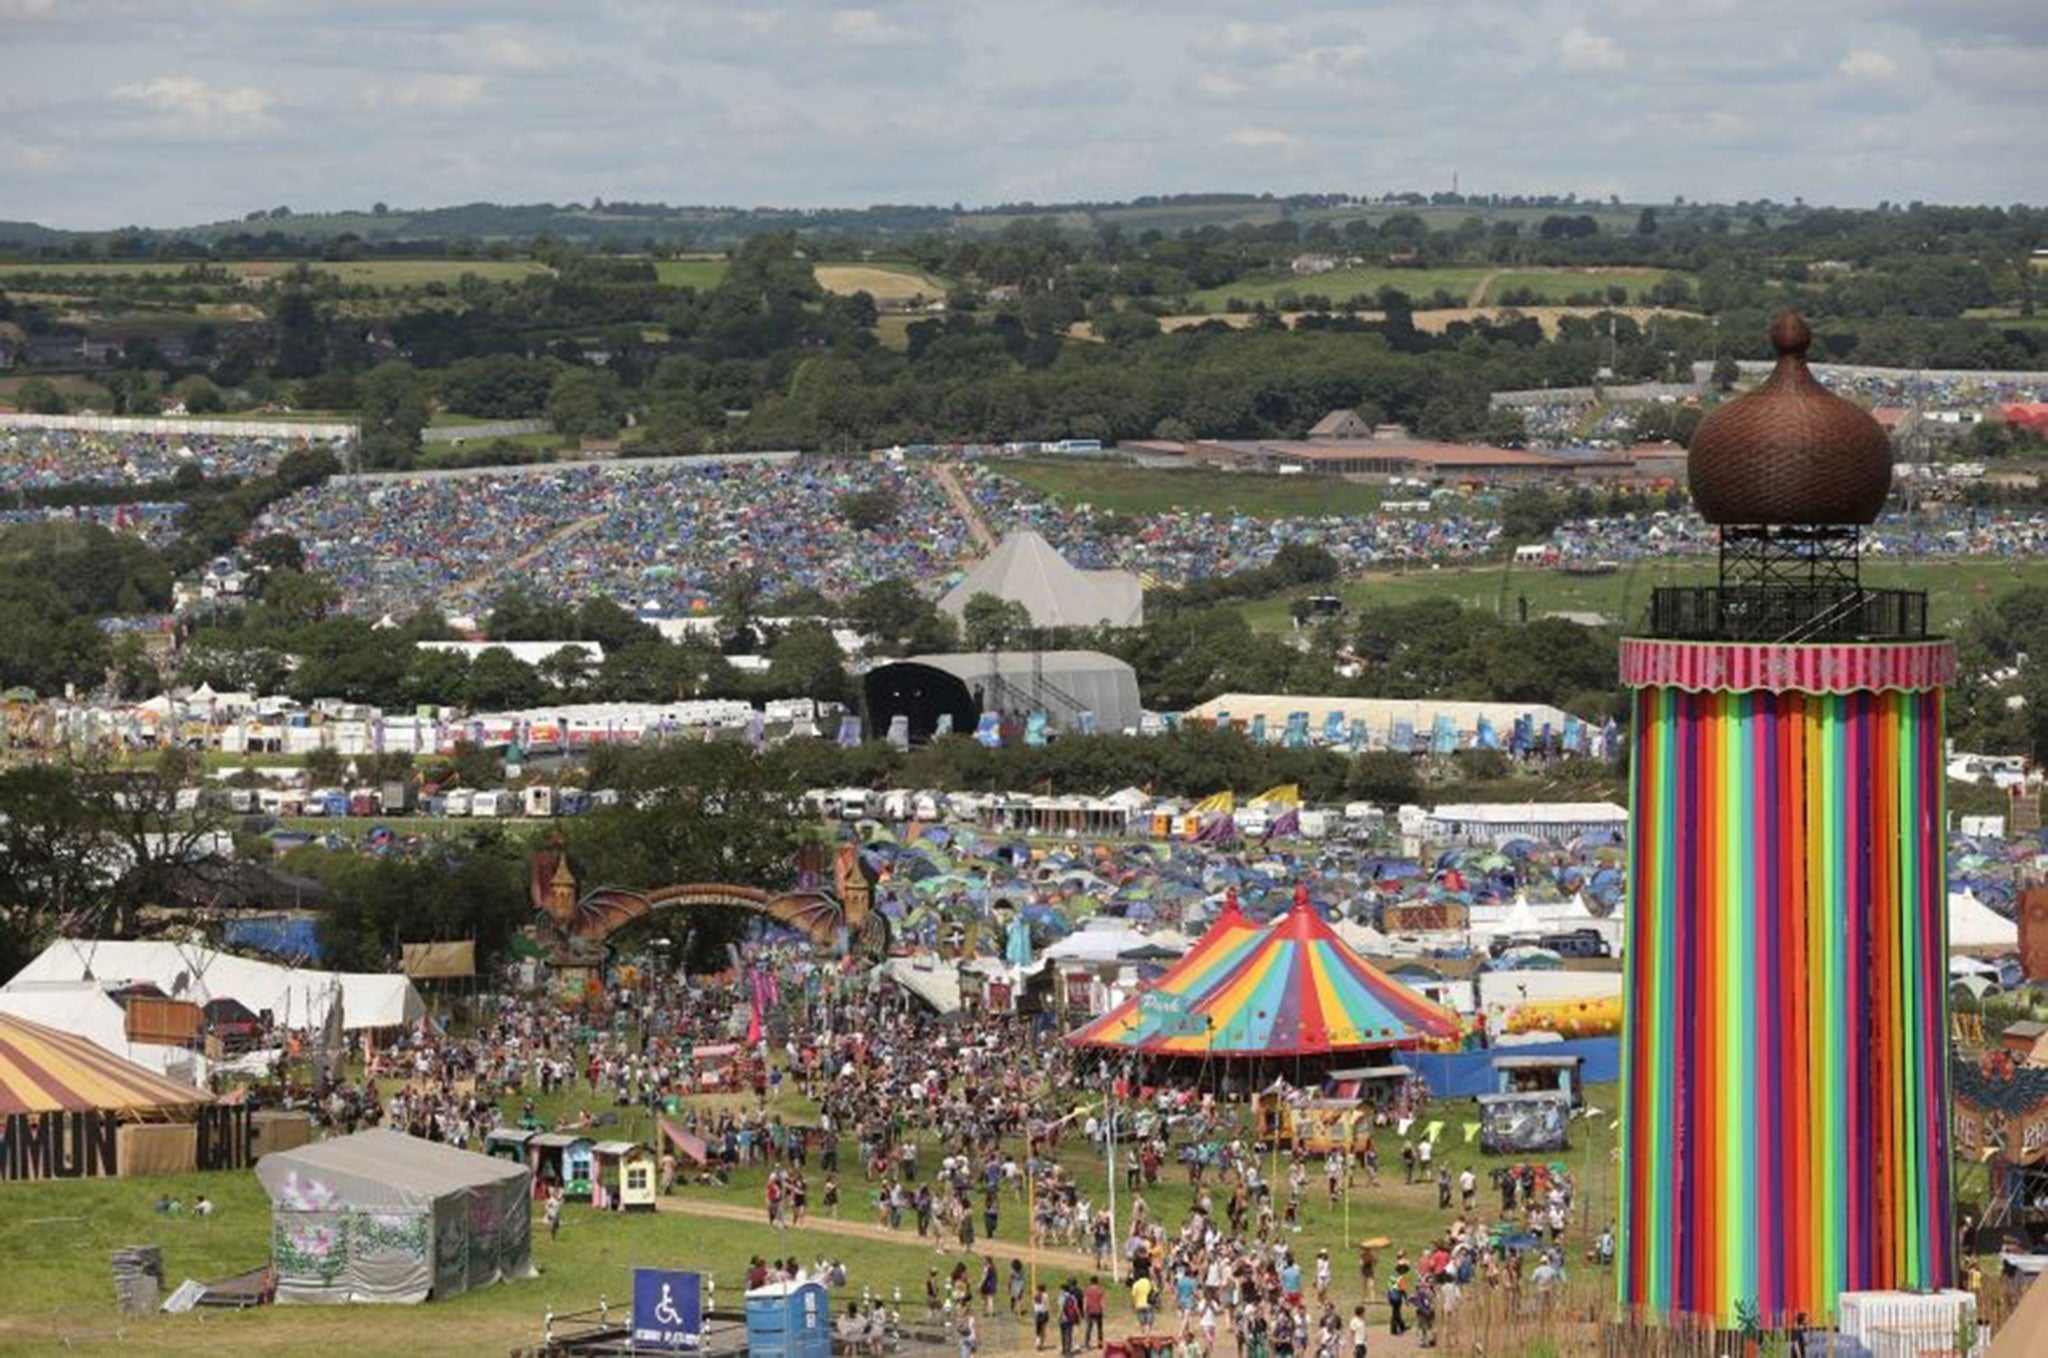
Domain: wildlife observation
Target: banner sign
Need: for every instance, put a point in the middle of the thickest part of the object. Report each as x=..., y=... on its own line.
x=668, y=1309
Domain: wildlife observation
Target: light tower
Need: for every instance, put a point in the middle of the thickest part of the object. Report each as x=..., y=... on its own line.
x=1785, y=1130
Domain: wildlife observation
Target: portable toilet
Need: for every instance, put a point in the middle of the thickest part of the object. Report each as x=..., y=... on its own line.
x=789, y=1320
x=623, y=1180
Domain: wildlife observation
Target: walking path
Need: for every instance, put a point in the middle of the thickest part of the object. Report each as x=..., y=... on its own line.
x=1072, y=1261
x=963, y=505
x=526, y=558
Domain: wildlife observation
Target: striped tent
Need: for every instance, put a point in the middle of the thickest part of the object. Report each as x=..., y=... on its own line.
x=43, y=1070
x=1138, y=1021
x=1299, y=990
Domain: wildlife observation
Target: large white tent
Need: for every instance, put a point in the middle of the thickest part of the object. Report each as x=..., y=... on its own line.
x=1025, y=569
x=1973, y=924
x=88, y=1011
x=295, y=997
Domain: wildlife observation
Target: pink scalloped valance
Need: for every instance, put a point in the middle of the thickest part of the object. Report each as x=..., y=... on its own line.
x=1833, y=667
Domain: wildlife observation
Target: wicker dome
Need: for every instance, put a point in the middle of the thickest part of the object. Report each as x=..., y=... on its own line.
x=1791, y=451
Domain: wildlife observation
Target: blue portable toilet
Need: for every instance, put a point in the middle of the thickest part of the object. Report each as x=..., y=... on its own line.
x=789, y=1320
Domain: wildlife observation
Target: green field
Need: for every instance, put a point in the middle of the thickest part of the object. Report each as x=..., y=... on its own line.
x=55, y=1239
x=1339, y=285
x=1955, y=588
x=378, y=273
x=1555, y=285
x=701, y=274
x=1127, y=489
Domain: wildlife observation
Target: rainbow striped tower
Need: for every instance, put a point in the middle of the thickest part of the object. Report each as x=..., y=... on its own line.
x=1785, y=1050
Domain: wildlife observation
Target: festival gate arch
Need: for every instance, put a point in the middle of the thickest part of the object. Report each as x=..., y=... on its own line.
x=830, y=919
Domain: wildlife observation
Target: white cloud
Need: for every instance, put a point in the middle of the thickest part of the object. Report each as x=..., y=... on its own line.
x=36, y=158
x=501, y=51
x=1585, y=50
x=1866, y=63
x=1260, y=138
x=425, y=92
x=200, y=107
x=26, y=9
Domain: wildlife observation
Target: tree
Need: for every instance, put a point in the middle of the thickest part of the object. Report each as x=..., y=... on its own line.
x=500, y=681
x=1529, y=514
x=1726, y=373
x=989, y=623
x=585, y=403
x=867, y=510
x=692, y=812
x=1646, y=222
x=806, y=662
x=38, y=397
x=394, y=411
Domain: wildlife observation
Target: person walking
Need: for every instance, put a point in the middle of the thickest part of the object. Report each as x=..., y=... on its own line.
x=1358, y=1331
x=1070, y=1316
x=969, y=1331
x=1396, y=1299
x=1141, y=1302
x=1016, y=1286
x=1041, y=1317
x=1443, y=1187
x=1092, y=1301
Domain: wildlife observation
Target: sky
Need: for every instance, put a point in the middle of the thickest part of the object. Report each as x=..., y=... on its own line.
x=177, y=112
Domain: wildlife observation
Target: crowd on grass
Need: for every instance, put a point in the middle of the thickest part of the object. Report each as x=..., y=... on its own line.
x=977, y=1132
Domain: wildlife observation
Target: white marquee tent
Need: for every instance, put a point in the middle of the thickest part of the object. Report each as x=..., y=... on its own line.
x=296, y=997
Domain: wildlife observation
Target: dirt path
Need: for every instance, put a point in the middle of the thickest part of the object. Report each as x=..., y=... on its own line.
x=1477, y=297
x=963, y=505
x=1045, y=1256
x=526, y=558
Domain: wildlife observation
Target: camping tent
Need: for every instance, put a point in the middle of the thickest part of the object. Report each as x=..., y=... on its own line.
x=296, y=998
x=1298, y=991
x=1025, y=569
x=382, y=1216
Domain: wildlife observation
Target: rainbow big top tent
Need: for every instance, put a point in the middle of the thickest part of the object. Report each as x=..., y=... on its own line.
x=1293, y=989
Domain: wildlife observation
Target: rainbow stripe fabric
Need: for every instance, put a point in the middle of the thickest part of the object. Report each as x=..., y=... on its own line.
x=1785, y=1049
x=1291, y=989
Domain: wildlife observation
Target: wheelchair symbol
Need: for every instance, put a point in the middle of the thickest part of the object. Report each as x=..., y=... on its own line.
x=665, y=1309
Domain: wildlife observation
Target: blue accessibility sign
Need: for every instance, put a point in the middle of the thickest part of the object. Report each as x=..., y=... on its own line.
x=668, y=1309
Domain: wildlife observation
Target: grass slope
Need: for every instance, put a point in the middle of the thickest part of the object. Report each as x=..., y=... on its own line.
x=1955, y=589
x=55, y=1239
x=888, y=284
x=701, y=274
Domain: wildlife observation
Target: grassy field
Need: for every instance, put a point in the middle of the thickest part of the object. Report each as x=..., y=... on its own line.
x=1340, y=284
x=701, y=274
x=1467, y=283
x=1955, y=588
x=55, y=1240
x=1555, y=285
x=1141, y=490
x=378, y=273
x=888, y=284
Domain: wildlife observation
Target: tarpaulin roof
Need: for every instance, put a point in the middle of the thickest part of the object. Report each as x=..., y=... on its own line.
x=1214, y=955
x=1298, y=991
x=43, y=1070
x=378, y=1168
